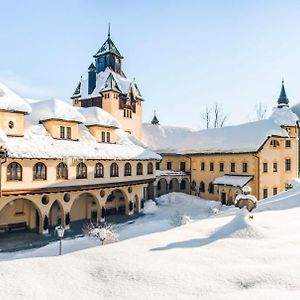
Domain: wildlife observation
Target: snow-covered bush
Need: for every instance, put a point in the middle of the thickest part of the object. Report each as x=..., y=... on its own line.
x=150, y=207
x=180, y=219
x=101, y=232
x=214, y=210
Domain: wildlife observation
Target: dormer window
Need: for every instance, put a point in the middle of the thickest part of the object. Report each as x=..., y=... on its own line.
x=105, y=137
x=65, y=132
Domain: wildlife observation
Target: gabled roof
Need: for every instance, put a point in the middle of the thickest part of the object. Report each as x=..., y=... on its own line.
x=108, y=47
x=111, y=84
x=12, y=102
x=116, y=81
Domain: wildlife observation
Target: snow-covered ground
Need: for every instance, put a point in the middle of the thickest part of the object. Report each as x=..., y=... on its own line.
x=218, y=254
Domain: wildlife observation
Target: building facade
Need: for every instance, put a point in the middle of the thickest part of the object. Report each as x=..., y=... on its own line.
x=262, y=154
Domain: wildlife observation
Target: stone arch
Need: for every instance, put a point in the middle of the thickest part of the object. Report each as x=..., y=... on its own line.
x=174, y=185
x=184, y=185
x=162, y=187
x=85, y=207
x=116, y=202
x=56, y=214
x=21, y=213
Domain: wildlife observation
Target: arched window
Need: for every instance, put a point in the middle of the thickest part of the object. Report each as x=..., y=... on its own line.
x=202, y=187
x=81, y=171
x=127, y=169
x=211, y=188
x=150, y=168
x=99, y=170
x=62, y=171
x=114, y=170
x=39, y=171
x=14, y=171
x=139, y=169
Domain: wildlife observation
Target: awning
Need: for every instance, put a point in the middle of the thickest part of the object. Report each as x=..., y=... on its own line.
x=233, y=180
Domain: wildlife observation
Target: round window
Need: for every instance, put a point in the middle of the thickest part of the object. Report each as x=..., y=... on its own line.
x=102, y=193
x=11, y=124
x=45, y=200
x=130, y=189
x=67, y=197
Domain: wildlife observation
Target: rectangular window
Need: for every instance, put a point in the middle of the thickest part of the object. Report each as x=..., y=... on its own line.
x=62, y=132
x=69, y=133
x=103, y=137
x=245, y=167
x=232, y=167
x=265, y=193
x=108, y=137
x=275, y=167
x=182, y=166
x=274, y=191
x=157, y=165
x=169, y=165
x=265, y=167
x=288, y=144
x=288, y=164
x=221, y=167
x=202, y=166
x=124, y=113
x=211, y=166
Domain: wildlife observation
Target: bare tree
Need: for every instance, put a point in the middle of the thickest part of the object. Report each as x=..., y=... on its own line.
x=206, y=117
x=214, y=117
x=260, y=111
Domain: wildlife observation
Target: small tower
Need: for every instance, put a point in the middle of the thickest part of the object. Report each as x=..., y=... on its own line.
x=282, y=100
x=155, y=120
x=108, y=56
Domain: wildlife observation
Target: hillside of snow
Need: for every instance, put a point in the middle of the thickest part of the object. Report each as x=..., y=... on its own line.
x=220, y=253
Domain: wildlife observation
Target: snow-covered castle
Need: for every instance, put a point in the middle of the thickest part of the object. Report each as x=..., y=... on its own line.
x=63, y=163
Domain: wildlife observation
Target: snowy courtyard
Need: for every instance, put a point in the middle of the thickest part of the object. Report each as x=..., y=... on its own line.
x=217, y=253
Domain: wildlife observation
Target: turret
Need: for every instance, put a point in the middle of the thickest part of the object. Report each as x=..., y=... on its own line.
x=108, y=56
x=155, y=120
x=282, y=100
x=91, y=78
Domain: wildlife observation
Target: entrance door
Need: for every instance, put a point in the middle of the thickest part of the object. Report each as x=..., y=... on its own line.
x=223, y=198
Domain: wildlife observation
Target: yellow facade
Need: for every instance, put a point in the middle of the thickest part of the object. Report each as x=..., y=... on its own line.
x=130, y=121
x=12, y=123
x=54, y=128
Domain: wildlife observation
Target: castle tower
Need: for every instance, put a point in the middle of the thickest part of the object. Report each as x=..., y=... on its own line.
x=108, y=87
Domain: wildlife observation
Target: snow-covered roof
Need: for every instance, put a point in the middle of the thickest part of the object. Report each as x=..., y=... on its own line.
x=284, y=116
x=54, y=109
x=38, y=143
x=123, y=84
x=248, y=137
x=232, y=180
x=97, y=116
x=11, y=101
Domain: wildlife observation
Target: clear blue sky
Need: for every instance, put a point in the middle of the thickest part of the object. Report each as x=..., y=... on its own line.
x=184, y=54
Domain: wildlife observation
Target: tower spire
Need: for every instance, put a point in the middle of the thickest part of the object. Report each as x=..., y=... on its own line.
x=282, y=100
x=108, y=35
x=155, y=120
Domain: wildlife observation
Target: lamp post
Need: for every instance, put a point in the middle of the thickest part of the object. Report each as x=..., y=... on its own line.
x=102, y=234
x=60, y=233
x=3, y=159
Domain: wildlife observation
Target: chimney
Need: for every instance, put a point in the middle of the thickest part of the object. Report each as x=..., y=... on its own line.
x=91, y=78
